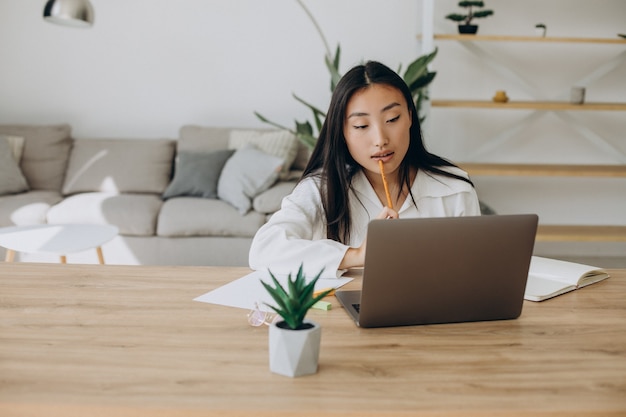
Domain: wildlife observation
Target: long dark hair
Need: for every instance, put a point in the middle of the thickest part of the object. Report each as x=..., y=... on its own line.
x=332, y=161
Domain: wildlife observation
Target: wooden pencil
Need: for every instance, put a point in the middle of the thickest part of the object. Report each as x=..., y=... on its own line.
x=382, y=174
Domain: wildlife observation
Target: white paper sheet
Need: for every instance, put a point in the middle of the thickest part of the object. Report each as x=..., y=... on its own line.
x=248, y=290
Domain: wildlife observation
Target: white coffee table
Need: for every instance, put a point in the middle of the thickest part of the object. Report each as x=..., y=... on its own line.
x=56, y=239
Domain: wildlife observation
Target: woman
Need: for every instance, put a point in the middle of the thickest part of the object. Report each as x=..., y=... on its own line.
x=323, y=222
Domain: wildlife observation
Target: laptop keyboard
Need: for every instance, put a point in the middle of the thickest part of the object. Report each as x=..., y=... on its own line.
x=357, y=307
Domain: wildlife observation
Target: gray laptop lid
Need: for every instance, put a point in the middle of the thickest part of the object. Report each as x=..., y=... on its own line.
x=443, y=270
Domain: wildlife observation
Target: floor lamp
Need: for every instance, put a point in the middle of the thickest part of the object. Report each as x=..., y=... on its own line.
x=77, y=13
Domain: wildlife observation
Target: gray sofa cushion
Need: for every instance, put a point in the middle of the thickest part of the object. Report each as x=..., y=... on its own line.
x=133, y=214
x=46, y=150
x=119, y=166
x=27, y=208
x=269, y=201
x=196, y=174
x=191, y=216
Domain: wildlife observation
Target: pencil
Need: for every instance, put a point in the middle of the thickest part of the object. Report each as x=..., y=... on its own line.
x=316, y=293
x=382, y=174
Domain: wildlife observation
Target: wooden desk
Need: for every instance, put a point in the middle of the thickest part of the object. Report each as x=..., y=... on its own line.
x=91, y=340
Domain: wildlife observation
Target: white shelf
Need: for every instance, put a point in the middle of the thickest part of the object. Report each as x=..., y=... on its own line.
x=514, y=38
x=531, y=105
x=478, y=45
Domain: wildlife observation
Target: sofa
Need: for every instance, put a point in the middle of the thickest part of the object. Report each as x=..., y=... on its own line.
x=193, y=200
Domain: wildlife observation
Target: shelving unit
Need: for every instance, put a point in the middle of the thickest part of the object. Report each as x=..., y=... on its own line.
x=509, y=38
x=545, y=170
x=531, y=105
x=548, y=233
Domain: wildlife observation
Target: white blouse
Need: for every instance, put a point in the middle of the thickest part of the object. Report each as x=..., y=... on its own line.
x=296, y=234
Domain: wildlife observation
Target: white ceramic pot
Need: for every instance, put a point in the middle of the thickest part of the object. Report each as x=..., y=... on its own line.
x=294, y=352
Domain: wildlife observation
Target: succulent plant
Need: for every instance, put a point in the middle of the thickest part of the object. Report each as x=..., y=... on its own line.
x=294, y=302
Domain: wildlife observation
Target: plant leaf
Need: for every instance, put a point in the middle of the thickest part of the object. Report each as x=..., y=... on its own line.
x=304, y=128
x=333, y=68
x=314, y=109
x=470, y=3
x=277, y=292
x=308, y=140
x=419, y=67
x=422, y=82
x=295, y=302
x=483, y=13
x=265, y=120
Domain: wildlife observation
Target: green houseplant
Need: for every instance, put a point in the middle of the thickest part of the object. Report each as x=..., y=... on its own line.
x=417, y=76
x=294, y=342
x=465, y=20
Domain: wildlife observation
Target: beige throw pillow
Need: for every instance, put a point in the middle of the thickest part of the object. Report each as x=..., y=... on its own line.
x=280, y=143
x=12, y=180
x=46, y=149
x=16, y=143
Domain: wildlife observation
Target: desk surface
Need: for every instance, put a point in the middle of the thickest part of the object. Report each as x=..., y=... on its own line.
x=91, y=340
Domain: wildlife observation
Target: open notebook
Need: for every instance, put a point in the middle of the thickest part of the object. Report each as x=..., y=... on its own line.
x=442, y=270
x=548, y=278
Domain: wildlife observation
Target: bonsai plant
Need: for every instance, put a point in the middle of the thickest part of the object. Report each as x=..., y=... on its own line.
x=294, y=343
x=465, y=20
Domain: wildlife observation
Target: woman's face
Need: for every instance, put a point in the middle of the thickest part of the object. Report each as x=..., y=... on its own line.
x=377, y=127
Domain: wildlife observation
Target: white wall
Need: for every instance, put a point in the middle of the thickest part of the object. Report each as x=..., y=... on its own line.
x=148, y=67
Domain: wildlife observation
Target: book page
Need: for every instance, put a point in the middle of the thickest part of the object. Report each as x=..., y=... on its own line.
x=592, y=277
x=538, y=289
x=568, y=272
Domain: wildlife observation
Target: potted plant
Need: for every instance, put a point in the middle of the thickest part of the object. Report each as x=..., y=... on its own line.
x=417, y=76
x=465, y=20
x=541, y=29
x=294, y=342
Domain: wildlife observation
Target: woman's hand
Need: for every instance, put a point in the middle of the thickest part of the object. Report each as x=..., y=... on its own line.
x=388, y=213
x=355, y=257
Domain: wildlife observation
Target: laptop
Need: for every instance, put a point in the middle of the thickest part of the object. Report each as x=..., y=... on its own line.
x=443, y=270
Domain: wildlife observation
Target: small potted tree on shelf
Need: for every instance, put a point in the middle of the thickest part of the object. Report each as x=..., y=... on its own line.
x=465, y=20
x=294, y=342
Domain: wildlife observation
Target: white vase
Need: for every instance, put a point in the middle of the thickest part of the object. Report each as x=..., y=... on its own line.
x=294, y=352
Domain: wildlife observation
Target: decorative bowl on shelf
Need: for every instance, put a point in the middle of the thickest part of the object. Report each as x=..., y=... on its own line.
x=500, y=97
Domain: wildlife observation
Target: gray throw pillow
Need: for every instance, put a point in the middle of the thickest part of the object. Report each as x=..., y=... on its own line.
x=12, y=180
x=196, y=174
x=247, y=173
